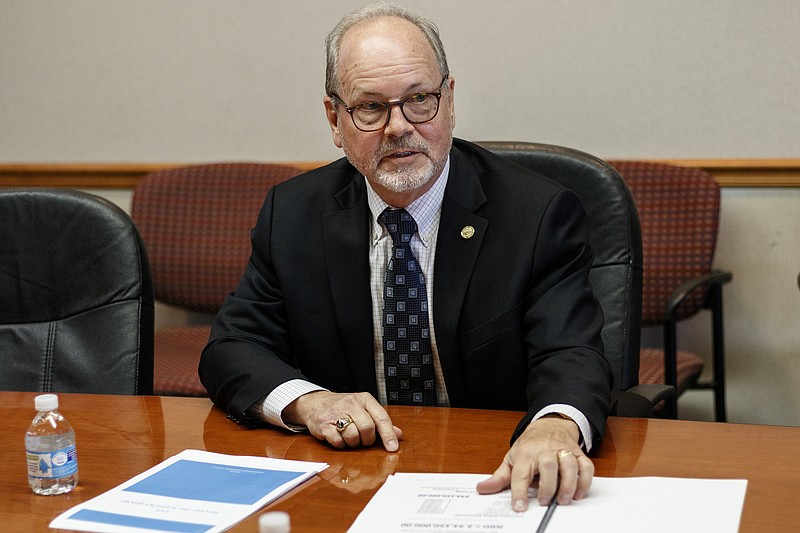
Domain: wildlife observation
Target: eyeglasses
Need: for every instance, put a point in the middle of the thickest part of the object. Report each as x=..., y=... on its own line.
x=373, y=116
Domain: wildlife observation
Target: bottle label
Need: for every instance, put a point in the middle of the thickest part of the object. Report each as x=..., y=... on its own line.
x=53, y=465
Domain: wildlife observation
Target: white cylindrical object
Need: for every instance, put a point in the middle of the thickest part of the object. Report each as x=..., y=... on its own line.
x=274, y=522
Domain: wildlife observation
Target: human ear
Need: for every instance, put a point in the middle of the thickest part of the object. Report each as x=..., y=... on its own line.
x=333, y=120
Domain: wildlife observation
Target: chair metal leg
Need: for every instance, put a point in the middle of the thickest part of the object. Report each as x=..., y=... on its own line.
x=715, y=299
x=670, y=368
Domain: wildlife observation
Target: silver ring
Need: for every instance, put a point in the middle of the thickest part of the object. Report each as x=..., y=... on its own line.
x=342, y=423
x=563, y=453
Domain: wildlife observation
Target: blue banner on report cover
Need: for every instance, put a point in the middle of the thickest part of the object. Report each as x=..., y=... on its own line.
x=194, y=480
x=99, y=517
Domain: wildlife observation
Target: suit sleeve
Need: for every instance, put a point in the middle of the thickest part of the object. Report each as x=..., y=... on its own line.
x=564, y=320
x=249, y=352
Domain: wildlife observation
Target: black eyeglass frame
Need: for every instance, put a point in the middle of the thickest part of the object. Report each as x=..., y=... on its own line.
x=395, y=103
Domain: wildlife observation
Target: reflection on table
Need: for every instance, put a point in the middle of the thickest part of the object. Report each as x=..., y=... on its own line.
x=121, y=436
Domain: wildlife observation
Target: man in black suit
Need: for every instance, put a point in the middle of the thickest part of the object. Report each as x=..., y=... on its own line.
x=506, y=319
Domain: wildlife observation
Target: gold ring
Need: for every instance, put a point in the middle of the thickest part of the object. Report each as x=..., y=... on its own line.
x=342, y=423
x=563, y=453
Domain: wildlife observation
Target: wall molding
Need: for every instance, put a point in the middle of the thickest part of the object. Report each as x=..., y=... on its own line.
x=728, y=173
x=747, y=172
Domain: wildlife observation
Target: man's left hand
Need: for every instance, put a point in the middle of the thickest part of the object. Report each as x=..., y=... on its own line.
x=566, y=475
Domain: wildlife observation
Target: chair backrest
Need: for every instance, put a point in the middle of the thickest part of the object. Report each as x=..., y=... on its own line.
x=616, y=272
x=196, y=221
x=76, y=296
x=679, y=213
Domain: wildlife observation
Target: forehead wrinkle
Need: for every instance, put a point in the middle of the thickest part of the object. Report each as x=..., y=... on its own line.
x=374, y=83
x=383, y=53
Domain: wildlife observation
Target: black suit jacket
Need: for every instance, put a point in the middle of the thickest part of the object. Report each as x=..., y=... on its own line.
x=516, y=324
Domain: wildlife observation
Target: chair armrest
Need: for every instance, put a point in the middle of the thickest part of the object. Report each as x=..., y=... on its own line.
x=715, y=277
x=654, y=393
x=639, y=400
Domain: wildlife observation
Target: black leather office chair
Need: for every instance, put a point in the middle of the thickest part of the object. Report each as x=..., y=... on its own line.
x=616, y=273
x=76, y=296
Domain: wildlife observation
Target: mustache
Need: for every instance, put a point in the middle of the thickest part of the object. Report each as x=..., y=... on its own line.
x=402, y=145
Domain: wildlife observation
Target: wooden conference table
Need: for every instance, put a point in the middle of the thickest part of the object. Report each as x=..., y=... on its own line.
x=121, y=436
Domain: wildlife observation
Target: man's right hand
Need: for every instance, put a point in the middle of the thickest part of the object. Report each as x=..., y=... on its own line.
x=319, y=411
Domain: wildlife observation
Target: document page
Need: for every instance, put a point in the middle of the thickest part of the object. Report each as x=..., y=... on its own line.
x=191, y=491
x=416, y=503
x=448, y=503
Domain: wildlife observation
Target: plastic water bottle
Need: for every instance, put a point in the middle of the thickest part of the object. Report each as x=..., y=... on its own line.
x=50, y=447
x=274, y=522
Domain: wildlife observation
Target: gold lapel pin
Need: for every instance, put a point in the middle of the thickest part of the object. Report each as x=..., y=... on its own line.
x=467, y=232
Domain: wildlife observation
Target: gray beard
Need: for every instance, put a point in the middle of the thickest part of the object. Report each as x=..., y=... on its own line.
x=404, y=180
x=401, y=180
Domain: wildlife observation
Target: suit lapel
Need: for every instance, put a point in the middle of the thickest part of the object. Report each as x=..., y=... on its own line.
x=347, y=257
x=457, y=250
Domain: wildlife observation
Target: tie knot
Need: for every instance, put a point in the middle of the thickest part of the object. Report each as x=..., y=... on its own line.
x=400, y=224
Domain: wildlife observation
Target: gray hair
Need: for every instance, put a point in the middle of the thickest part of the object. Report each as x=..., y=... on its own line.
x=367, y=14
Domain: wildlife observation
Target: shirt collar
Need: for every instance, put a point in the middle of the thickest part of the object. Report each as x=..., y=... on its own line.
x=426, y=209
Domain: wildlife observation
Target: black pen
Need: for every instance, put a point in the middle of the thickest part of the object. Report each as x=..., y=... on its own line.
x=547, y=515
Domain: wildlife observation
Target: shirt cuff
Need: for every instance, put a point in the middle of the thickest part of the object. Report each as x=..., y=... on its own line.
x=583, y=423
x=270, y=407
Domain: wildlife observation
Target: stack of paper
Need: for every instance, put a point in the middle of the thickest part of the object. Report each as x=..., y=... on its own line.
x=447, y=503
x=191, y=491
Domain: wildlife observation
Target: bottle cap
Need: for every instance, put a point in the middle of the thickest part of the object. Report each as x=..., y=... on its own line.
x=274, y=522
x=46, y=402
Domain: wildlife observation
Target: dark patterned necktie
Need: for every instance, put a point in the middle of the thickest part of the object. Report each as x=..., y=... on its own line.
x=408, y=360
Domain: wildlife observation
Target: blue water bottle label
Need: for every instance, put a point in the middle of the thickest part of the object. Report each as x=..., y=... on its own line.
x=53, y=465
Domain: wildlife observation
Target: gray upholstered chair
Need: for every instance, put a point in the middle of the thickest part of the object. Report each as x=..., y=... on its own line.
x=76, y=297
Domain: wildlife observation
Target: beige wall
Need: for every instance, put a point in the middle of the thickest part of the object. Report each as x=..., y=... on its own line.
x=189, y=80
x=200, y=80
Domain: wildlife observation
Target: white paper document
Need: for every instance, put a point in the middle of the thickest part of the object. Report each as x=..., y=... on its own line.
x=448, y=503
x=193, y=491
